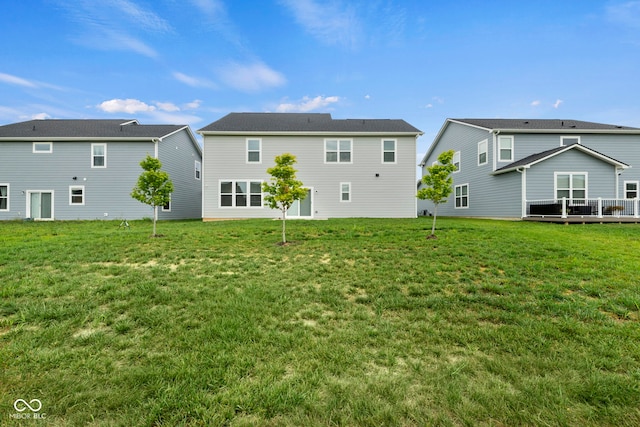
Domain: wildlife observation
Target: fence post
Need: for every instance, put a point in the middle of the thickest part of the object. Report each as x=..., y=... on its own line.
x=599, y=207
x=564, y=207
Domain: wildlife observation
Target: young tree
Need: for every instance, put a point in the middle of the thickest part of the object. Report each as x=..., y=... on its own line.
x=154, y=187
x=284, y=188
x=439, y=184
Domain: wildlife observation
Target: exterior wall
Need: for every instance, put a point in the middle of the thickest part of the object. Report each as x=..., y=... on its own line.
x=178, y=156
x=500, y=195
x=489, y=196
x=106, y=190
x=601, y=176
x=390, y=194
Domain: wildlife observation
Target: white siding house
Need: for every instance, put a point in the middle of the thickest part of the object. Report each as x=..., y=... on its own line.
x=515, y=168
x=351, y=168
x=86, y=169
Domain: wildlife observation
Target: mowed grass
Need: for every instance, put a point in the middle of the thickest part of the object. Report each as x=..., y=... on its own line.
x=360, y=322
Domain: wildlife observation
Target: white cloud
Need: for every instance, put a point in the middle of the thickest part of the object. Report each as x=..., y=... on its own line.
x=129, y=106
x=535, y=103
x=307, y=104
x=429, y=106
x=367, y=97
x=167, y=106
x=15, y=80
x=626, y=13
x=330, y=22
x=193, y=105
x=556, y=104
x=251, y=77
x=40, y=116
x=193, y=81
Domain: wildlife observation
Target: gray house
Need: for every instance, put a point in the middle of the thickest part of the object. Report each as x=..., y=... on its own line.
x=351, y=168
x=86, y=169
x=514, y=168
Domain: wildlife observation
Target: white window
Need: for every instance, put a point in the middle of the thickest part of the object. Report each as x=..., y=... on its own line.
x=462, y=196
x=569, y=140
x=98, y=155
x=76, y=195
x=43, y=147
x=240, y=194
x=389, y=151
x=572, y=185
x=483, y=151
x=167, y=206
x=4, y=197
x=254, y=147
x=630, y=190
x=345, y=191
x=198, y=170
x=456, y=161
x=337, y=151
x=505, y=148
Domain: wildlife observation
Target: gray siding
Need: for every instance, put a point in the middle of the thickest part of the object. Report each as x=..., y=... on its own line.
x=390, y=194
x=178, y=156
x=500, y=195
x=601, y=176
x=106, y=190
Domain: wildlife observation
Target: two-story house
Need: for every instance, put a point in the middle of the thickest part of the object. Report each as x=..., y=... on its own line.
x=516, y=168
x=351, y=168
x=86, y=169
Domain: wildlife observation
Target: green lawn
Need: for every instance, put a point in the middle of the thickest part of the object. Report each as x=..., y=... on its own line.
x=360, y=322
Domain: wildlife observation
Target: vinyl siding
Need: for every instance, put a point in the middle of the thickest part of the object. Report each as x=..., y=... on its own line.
x=178, y=156
x=500, y=195
x=106, y=190
x=390, y=194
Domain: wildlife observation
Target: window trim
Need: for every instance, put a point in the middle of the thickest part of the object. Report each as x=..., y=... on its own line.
x=563, y=137
x=571, y=188
x=338, y=151
x=198, y=170
x=637, y=190
x=93, y=156
x=512, y=148
x=71, y=195
x=457, y=154
x=49, y=151
x=8, y=197
x=169, y=204
x=348, y=192
x=234, y=194
x=485, y=152
x=259, y=151
x=456, y=197
x=394, y=151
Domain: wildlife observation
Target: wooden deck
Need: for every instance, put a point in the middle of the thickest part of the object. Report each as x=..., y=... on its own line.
x=574, y=219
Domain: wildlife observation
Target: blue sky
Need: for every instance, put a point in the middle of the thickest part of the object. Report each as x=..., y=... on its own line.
x=193, y=61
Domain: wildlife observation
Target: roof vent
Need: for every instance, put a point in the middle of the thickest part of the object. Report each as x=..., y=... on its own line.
x=34, y=127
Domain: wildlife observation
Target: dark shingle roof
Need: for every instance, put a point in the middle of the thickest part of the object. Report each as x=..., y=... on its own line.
x=304, y=122
x=541, y=124
x=90, y=128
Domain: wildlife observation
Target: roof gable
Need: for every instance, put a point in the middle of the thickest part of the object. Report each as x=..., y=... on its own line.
x=303, y=123
x=531, y=160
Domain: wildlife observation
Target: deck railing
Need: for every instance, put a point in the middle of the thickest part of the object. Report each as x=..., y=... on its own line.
x=597, y=208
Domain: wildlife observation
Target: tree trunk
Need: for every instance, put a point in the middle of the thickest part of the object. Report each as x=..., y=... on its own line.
x=155, y=218
x=435, y=215
x=284, y=237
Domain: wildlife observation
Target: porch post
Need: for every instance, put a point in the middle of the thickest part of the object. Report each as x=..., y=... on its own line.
x=599, y=207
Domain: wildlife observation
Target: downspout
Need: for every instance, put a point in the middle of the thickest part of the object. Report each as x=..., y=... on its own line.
x=155, y=154
x=523, y=191
x=495, y=134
